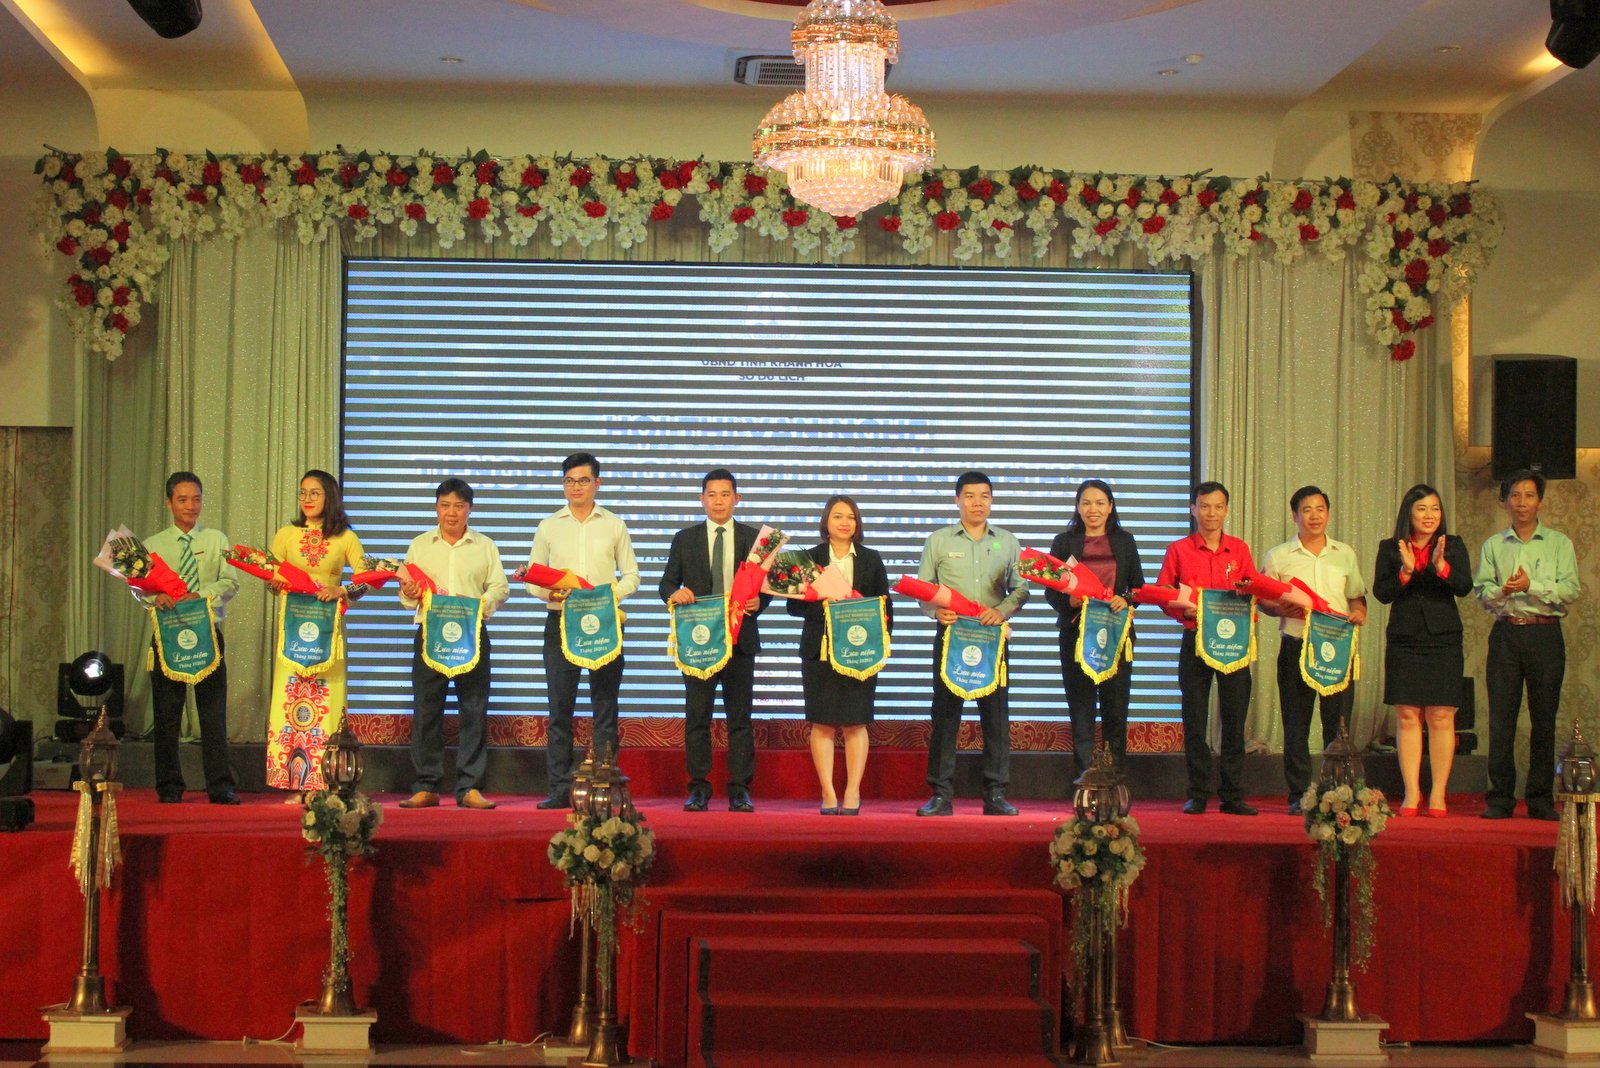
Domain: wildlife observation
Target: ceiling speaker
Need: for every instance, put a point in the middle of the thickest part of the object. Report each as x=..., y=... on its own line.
x=169, y=18
x=1574, y=36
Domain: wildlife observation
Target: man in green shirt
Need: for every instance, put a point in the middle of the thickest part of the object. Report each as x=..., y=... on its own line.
x=980, y=562
x=1527, y=576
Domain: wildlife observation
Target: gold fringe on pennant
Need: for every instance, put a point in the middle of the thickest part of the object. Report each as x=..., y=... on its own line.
x=1575, y=860
x=1306, y=652
x=110, y=833
x=592, y=663
x=1124, y=646
x=1200, y=645
x=477, y=646
x=336, y=649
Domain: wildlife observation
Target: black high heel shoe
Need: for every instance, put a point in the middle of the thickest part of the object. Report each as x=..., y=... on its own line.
x=834, y=811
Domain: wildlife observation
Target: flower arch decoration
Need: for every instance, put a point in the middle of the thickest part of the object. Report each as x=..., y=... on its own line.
x=111, y=216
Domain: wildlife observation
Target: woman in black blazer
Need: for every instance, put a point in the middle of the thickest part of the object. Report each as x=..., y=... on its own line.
x=1420, y=572
x=835, y=703
x=1095, y=536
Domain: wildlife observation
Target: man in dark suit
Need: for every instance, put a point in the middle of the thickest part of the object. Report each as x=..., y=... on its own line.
x=701, y=563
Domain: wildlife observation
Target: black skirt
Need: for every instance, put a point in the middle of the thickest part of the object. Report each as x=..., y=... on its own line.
x=1423, y=673
x=834, y=699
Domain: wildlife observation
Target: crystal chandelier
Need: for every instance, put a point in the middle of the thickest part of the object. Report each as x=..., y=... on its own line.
x=844, y=143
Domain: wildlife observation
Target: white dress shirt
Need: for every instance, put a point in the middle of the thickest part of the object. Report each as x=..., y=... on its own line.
x=597, y=549
x=469, y=568
x=1334, y=574
x=218, y=580
x=845, y=563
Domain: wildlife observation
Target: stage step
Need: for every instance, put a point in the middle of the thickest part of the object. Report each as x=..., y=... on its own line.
x=865, y=998
x=885, y=1059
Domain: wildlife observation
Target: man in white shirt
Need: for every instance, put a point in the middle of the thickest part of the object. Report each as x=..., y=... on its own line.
x=592, y=543
x=196, y=554
x=463, y=563
x=1332, y=571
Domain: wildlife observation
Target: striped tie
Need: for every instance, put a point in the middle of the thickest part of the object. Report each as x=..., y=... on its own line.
x=188, y=567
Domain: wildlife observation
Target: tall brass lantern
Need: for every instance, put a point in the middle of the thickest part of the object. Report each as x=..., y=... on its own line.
x=1341, y=766
x=96, y=852
x=1579, y=779
x=607, y=795
x=341, y=766
x=1100, y=795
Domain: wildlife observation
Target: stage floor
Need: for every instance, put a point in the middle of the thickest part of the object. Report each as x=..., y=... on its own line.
x=217, y=927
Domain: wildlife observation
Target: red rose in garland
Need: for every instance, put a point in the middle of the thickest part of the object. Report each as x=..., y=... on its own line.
x=357, y=211
x=982, y=189
x=1403, y=239
x=100, y=255
x=1417, y=273
x=686, y=171
x=67, y=246
x=1461, y=205
x=1403, y=351
x=348, y=173
x=1056, y=191
x=1346, y=201
x=1206, y=197
x=305, y=174
x=416, y=211
x=120, y=296
x=142, y=197
x=92, y=216
x=121, y=167
x=478, y=208
x=1309, y=232
x=443, y=174
x=1303, y=200
x=795, y=217
x=668, y=177
x=625, y=180
x=117, y=199
x=742, y=214
x=1089, y=195
x=488, y=172
x=594, y=209
x=754, y=185
x=120, y=232
x=1000, y=224
x=1437, y=214
x=947, y=220
x=1026, y=192
x=661, y=211
x=1438, y=247
x=1155, y=224
x=889, y=223
x=532, y=177
x=581, y=177
x=1134, y=196
x=528, y=211
x=396, y=177
x=1169, y=196
x=211, y=173
x=1398, y=318
x=197, y=195
x=933, y=190
x=1105, y=226
x=119, y=322
x=844, y=222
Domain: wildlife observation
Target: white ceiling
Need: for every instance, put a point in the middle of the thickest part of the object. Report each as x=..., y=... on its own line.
x=1405, y=55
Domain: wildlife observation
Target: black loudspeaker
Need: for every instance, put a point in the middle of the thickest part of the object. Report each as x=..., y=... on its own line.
x=16, y=771
x=1535, y=423
x=1574, y=36
x=170, y=18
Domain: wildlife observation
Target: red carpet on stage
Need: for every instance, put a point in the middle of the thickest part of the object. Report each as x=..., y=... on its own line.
x=781, y=930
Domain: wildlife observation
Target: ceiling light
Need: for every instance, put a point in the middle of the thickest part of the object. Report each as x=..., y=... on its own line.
x=451, y=59
x=1194, y=59
x=1445, y=50
x=1168, y=72
x=843, y=143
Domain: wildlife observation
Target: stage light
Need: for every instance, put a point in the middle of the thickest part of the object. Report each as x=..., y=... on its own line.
x=1574, y=36
x=83, y=687
x=169, y=18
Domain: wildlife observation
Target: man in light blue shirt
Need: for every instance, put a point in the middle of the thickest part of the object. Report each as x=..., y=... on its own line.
x=1527, y=576
x=978, y=561
x=196, y=554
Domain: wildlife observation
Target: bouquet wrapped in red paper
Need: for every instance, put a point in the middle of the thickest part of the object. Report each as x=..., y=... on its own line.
x=798, y=577
x=551, y=578
x=1167, y=598
x=1293, y=592
x=751, y=575
x=938, y=596
x=1066, y=576
x=374, y=572
x=263, y=565
x=123, y=555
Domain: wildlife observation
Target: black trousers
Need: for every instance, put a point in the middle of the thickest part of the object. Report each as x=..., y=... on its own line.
x=737, y=679
x=211, y=702
x=994, y=716
x=428, y=690
x=1536, y=658
x=1295, y=701
x=1233, y=700
x=1085, y=697
x=561, y=676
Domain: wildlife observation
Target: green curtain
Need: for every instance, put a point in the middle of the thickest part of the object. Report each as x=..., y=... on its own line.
x=240, y=382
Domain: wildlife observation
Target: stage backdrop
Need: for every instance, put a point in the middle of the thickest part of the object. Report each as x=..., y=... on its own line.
x=883, y=383
x=235, y=373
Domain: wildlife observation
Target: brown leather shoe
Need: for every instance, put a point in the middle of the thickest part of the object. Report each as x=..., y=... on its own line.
x=473, y=799
x=421, y=799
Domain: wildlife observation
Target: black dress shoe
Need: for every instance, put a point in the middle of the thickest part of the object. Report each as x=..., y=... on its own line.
x=699, y=797
x=995, y=804
x=1495, y=813
x=559, y=799
x=170, y=798
x=228, y=798
x=938, y=805
x=1195, y=806
x=1543, y=813
x=1295, y=809
x=1237, y=808
x=740, y=802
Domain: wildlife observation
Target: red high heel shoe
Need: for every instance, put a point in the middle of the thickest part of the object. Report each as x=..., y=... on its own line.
x=1436, y=813
x=1409, y=810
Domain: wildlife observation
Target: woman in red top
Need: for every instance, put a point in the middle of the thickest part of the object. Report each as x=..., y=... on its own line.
x=1420, y=572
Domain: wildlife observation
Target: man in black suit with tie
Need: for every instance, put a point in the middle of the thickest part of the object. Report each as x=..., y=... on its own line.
x=701, y=563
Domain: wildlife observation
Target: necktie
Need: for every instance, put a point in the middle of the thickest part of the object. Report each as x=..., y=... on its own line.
x=719, y=553
x=188, y=567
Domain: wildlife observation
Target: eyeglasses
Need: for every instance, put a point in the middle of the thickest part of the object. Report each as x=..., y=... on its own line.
x=585, y=481
x=311, y=495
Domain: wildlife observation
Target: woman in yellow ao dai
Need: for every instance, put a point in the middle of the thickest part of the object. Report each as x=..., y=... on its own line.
x=306, y=709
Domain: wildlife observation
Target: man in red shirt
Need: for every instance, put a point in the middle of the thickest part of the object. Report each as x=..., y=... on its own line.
x=1209, y=559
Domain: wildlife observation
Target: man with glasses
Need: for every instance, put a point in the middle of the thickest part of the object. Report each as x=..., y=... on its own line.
x=592, y=543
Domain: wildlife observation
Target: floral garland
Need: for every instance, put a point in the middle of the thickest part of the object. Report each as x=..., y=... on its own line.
x=1343, y=822
x=112, y=217
x=339, y=829
x=1100, y=861
x=604, y=863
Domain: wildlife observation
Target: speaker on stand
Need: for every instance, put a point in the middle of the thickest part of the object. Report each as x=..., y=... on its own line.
x=1535, y=421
